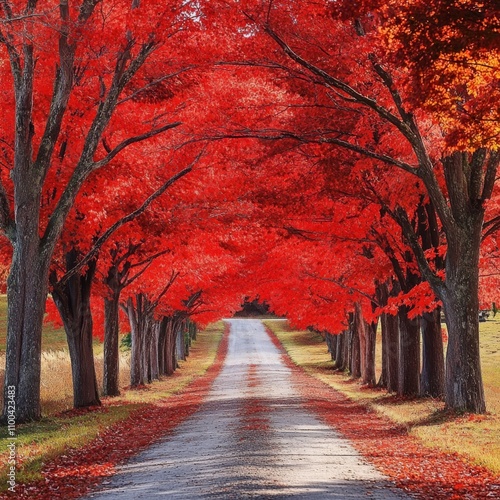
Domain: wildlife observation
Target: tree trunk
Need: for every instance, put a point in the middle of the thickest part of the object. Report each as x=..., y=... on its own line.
x=73, y=302
x=464, y=384
x=187, y=336
x=85, y=389
x=409, y=354
x=331, y=342
x=135, y=337
x=162, y=338
x=361, y=329
x=392, y=332
x=153, y=351
x=371, y=338
x=382, y=293
x=147, y=339
x=346, y=350
x=355, y=357
x=194, y=330
x=111, y=378
x=27, y=294
x=180, y=344
x=384, y=375
x=339, y=358
x=432, y=377
x=144, y=358
x=470, y=179
x=170, y=354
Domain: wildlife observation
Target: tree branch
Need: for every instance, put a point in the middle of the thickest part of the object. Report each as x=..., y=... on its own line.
x=331, y=81
x=132, y=140
x=273, y=135
x=173, y=277
x=401, y=217
x=124, y=220
x=62, y=90
x=407, y=126
x=341, y=285
x=146, y=263
x=490, y=175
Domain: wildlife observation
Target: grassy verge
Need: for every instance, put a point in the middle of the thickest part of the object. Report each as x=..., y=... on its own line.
x=477, y=438
x=57, y=433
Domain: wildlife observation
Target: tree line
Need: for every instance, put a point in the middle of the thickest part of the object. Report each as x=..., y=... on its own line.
x=167, y=160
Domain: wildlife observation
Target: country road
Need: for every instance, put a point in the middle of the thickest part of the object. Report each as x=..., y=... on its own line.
x=251, y=439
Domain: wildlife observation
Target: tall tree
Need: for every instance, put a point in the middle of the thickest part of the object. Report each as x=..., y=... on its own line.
x=346, y=62
x=55, y=83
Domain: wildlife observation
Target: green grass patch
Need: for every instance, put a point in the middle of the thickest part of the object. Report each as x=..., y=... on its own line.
x=476, y=437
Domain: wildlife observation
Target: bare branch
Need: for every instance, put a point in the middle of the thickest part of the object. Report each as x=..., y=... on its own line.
x=313, y=138
x=132, y=140
x=20, y=18
x=154, y=83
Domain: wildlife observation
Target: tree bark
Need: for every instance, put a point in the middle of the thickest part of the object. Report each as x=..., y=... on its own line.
x=346, y=350
x=73, y=302
x=361, y=334
x=111, y=379
x=371, y=338
x=382, y=292
x=27, y=294
x=433, y=372
x=141, y=322
x=162, y=338
x=170, y=347
x=339, y=358
x=409, y=354
x=153, y=351
x=355, y=354
x=392, y=330
x=194, y=330
x=180, y=342
x=384, y=375
x=135, y=351
x=331, y=342
x=464, y=385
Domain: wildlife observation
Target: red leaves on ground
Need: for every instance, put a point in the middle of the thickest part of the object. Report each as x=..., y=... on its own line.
x=420, y=471
x=79, y=470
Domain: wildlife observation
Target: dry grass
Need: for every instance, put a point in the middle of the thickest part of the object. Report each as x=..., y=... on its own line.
x=56, y=390
x=57, y=432
x=477, y=438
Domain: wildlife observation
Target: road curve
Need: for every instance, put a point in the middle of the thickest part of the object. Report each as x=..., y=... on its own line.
x=251, y=439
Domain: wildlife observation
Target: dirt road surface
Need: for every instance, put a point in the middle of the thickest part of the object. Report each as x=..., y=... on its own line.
x=251, y=439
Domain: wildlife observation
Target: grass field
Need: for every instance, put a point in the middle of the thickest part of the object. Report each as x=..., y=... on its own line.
x=476, y=437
